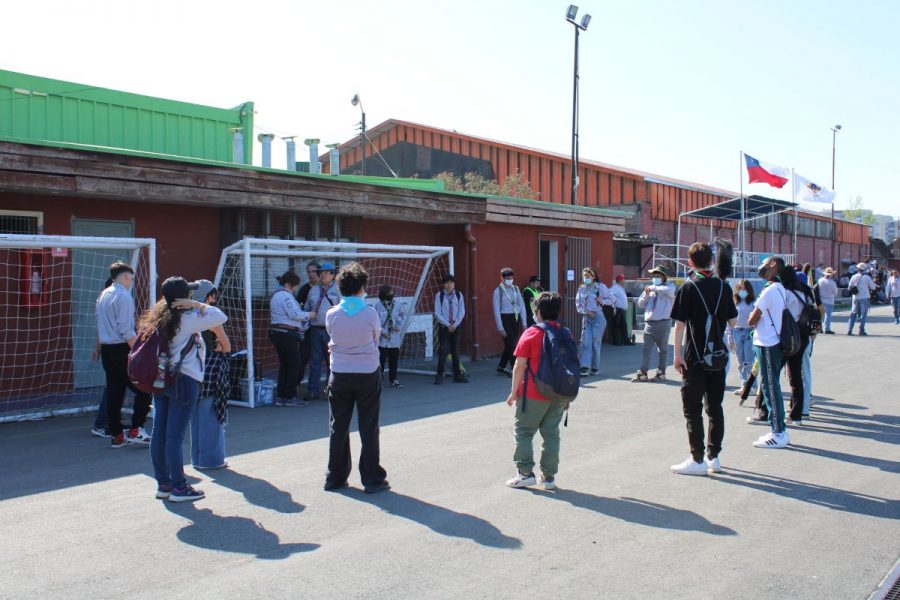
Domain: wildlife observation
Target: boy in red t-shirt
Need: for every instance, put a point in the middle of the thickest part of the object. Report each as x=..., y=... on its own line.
x=536, y=413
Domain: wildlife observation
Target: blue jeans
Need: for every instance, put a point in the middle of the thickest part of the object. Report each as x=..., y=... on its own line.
x=743, y=349
x=592, y=340
x=860, y=309
x=207, y=436
x=173, y=413
x=770, y=363
x=829, y=310
x=318, y=347
x=896, y=303
x=102, y=419
x=807, y=376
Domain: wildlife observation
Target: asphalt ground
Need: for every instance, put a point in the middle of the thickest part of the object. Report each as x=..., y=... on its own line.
x=819, y=520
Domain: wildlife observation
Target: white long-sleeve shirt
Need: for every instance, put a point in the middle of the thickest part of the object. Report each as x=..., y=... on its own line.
x=391, y=333
x=828, y=290
x=193, y=322
x=591, y=298
x=864, y=285
x=445, y=304
x=508, y=300
x=285, y=310
x=657, y=301
x=115, y=315
x=620, y=298
x=893, y=287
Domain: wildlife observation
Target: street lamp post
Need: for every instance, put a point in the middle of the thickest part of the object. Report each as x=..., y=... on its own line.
x=571, y=13
x=834, y=131
x=355, y=101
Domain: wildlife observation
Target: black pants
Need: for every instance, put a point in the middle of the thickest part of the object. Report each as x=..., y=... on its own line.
x=699, y=388
x=511, y=327
x=618, y=329
x=391, y=356
x=115, y=362
x=305, y=351
x=288, y=348
x=448, y=343
x=794, y=366
x=344, y=391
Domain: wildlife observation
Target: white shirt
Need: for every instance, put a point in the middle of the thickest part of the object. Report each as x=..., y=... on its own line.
x=394, y=337
x=828, y=290
x=285, y=310
x=620, y=298
x=115, y=315
x=193, y=322
x=864, y=285
x=657, y=301
x=893, y=286
x=771, y=303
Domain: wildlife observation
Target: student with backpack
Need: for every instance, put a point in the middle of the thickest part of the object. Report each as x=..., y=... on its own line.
x=391, y=318
x=774, y=325
x=545, y=379
x=174, y=323
x=703, y=307
x=286, y=325
x=804, y=305
x=449, y=310
x=509, y=317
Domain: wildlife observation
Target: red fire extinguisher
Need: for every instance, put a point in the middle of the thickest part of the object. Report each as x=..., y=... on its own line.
x=33, y=290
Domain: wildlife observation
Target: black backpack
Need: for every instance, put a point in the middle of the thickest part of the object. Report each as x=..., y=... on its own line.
x=789, y=336
x=810, y=321
x=715, y=354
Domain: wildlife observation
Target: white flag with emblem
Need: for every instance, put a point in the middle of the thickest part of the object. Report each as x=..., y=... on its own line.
x=808, y=191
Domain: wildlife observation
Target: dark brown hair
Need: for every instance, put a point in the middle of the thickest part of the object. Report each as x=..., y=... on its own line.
x=352, y=279
x=119, y=267
x=289, y=278
x=548, y=304
x=744, y=285
x=701, y=255
x=160, y=317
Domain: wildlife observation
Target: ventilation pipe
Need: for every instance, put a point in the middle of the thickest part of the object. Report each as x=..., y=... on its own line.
x=237, y=145
x=313, y=144
x=291, y=153
x=334, y=159
x=266, y=140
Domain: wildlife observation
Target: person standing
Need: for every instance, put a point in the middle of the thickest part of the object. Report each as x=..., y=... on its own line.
x=179, y=319
x=509, y=317
x=391, y=318
x=321, y=298
x=656, y=300
x=862, y=283
x=740, y=337
x=893, y=291
x=449, y=310
x=592, y=296
x=355, y=380
x=116, y=333
x=766, y=319
x=286, y=324
x=211, y=411
x=828, y=291
x=529, y=295
x=542, y=414
x=702, y=300
x=618, y=327
x=799, y=366
x=312, y=275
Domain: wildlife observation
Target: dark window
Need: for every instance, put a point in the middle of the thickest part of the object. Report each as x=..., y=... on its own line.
x=627, y=255
x=20, y=223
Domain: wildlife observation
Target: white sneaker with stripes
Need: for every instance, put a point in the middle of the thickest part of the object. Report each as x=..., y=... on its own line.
x=773, y=440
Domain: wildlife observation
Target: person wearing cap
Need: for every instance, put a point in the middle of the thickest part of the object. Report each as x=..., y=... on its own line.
x=828, y=291
x=286, y=324
x=116, y=335
x=657, y=300
x=180, y=319
x=529, y=295
x=509, y=318
x=893, y=294
x=211, y=410
x=618, y=326
x=322, y=297
x=863, y=285
x=590, y=299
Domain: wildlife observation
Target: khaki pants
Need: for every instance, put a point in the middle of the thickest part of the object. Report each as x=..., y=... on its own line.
x=538, y=416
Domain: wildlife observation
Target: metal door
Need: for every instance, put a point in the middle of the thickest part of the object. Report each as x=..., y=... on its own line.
x=90, y=270
x=578, y=256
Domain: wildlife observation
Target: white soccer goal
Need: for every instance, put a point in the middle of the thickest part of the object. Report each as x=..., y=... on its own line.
x=246, y=281
x=48, y=327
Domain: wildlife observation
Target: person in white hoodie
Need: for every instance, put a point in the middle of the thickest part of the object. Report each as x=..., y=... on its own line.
x=828, y=291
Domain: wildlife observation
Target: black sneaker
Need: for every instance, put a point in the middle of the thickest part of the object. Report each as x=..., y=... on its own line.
x=332, y=486
x=585, y=371
x=377, y=487
x=460, y=379
x=504, y=371
x=439, y=379
x=595, y=371
x=185, y=494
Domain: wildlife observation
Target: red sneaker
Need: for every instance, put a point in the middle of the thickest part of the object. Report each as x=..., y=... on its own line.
x=117, y=441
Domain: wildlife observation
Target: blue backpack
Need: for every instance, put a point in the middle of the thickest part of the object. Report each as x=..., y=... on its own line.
x=559, y=373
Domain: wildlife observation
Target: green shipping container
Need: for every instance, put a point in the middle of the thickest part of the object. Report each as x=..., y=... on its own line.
x=48, y=110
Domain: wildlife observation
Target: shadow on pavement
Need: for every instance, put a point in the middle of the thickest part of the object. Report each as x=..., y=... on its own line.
x=642, y=512
x=238, y=535
x=441, y=520
x=891, y=466
x=828, y=497
x=256, y=491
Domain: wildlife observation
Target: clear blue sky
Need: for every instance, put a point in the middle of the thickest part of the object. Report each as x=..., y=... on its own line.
x=675, y=88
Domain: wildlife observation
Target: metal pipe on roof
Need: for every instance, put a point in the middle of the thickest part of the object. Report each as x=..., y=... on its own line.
x=313, y=144
x=291, y=153
x=266, y=140
x=237, y=145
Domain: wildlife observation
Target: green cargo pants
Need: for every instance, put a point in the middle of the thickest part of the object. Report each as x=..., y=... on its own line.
x=544, y=417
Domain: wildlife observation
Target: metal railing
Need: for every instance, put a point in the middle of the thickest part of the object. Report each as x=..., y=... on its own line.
x=674, y=258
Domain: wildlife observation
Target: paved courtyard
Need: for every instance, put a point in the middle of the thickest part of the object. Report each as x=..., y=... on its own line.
x=820, y=520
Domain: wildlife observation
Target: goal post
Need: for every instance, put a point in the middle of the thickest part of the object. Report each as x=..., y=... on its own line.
x=246, y=274
x=49, y=285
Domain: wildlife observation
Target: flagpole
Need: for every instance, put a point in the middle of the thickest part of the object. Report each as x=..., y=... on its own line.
x=833, y=236
x=794, y=199
x=741, y=229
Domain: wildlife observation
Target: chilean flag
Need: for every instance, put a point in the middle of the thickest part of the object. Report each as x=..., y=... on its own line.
x=760, y=172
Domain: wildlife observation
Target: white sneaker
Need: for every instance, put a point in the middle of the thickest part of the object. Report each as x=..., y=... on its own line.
x=689, y=467
x=548, y=483
x=713, y=465
x=520, y=481
x=137, y=436
x=773, y=440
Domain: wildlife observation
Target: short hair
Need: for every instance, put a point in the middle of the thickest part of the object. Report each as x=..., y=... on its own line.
x=507, y=272
x=119, y=267
x=289, y=277
x=313, y=264
x=352, y=279
x=700, y=254
x=548, y=304
x=534, y=278
x=384, y=290
x=448, y=277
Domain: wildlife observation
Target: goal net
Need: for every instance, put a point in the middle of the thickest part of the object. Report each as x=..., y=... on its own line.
x=246, y=281
x=48, y=327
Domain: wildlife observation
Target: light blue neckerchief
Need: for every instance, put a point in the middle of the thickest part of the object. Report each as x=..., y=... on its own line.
x=352, y=305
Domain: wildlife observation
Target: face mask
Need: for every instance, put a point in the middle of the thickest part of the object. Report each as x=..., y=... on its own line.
x=588, y=281
x=657, y=281
x=508, y=282
x=742, y=293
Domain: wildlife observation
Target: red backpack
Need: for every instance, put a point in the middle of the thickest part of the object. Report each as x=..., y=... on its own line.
x=144, y=360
